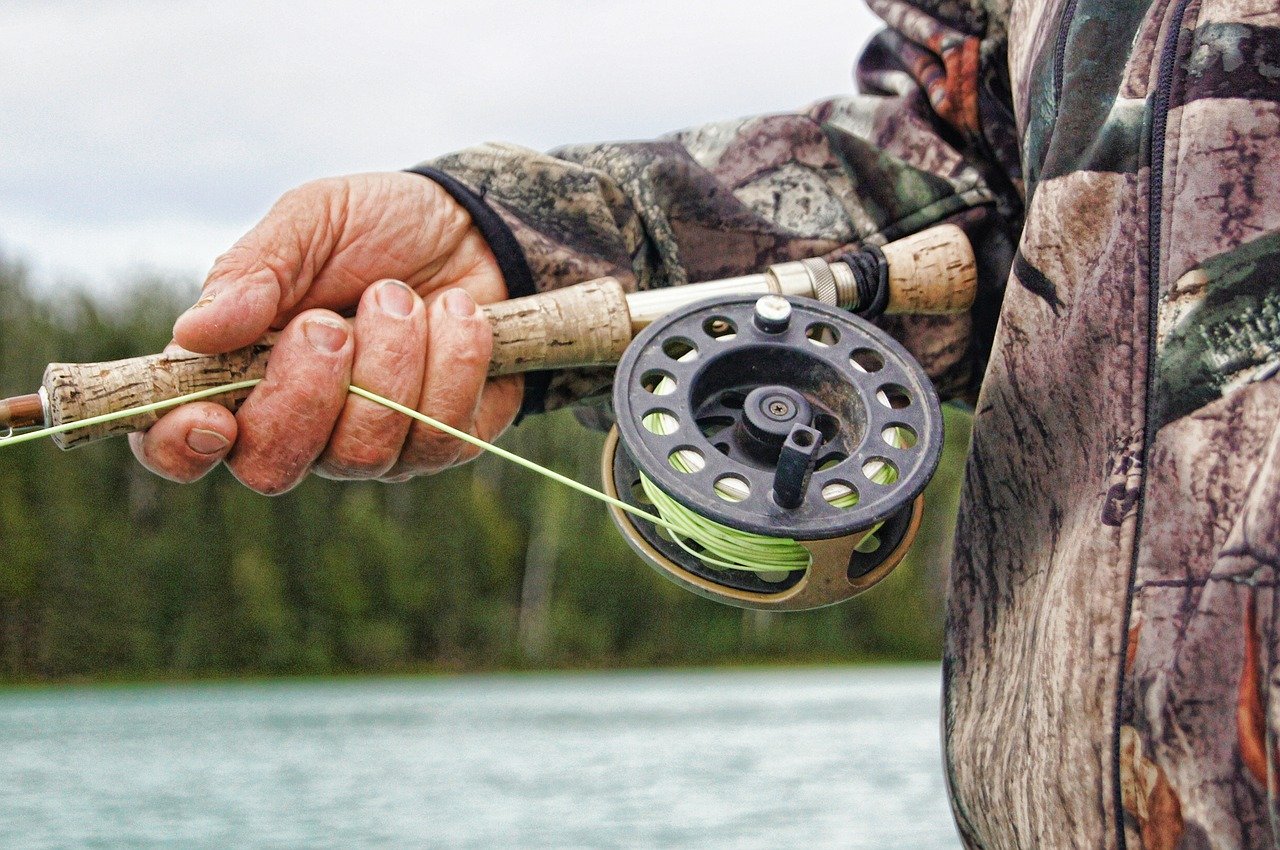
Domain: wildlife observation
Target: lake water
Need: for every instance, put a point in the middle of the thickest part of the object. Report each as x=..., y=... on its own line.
x=771, y=759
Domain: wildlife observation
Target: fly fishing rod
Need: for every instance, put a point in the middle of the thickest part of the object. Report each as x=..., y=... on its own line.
x=771, y=443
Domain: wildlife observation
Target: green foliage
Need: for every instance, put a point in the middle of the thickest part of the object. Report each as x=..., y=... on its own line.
x=108, y=571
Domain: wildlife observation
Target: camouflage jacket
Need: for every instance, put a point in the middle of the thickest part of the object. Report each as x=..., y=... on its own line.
x=1113, y=629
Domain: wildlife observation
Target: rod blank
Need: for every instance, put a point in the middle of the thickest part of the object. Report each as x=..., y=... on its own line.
x=19, y=412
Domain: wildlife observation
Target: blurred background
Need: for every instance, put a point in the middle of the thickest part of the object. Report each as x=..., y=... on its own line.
x=140, y=140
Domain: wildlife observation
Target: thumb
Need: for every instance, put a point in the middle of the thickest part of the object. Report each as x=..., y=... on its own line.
x=249, y=285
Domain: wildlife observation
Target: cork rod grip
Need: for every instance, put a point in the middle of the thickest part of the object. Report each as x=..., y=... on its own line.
x=583, y=325
x=931, y=272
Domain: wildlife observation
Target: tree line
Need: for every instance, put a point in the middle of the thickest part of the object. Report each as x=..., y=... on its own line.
x=107, y=571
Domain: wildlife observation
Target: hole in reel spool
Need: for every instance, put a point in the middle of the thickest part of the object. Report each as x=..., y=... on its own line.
x=680, y=349
x=658, y=382
x=720, y=328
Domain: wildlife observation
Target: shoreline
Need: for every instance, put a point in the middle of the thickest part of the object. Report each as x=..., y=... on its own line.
x=106, y=683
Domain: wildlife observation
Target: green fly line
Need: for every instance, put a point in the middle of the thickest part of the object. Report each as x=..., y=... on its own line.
x=713, y=543
x=773, y=557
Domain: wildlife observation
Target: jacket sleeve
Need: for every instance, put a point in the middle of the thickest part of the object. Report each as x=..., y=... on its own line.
x=729, y=198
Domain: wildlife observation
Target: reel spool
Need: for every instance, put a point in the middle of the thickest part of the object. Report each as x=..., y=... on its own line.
x=774, y=416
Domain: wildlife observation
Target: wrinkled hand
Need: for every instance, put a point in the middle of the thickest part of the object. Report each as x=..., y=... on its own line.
x=398, y=252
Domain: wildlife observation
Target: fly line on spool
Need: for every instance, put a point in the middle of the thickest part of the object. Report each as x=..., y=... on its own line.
x=719, y=545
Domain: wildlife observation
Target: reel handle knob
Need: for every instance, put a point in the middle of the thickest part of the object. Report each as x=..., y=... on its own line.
x=795, y=466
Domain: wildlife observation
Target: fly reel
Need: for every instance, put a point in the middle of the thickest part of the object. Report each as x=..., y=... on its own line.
x=791, y=438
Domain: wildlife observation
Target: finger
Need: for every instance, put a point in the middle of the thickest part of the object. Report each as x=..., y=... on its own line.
x=459, y=343
x=286, y=421
x=186, y=442
x=390, y=360
x=266, y=272
x=499, y=404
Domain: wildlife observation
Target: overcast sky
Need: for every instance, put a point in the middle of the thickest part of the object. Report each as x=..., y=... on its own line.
x=149, y=135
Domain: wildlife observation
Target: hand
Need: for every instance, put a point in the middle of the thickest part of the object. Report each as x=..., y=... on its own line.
x=400, y=253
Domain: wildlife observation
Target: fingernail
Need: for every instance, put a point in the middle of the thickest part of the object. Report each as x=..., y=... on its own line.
x=325, y=336
x=395, y=298
x=458, y=303
x=205, y=442
x=205, y=300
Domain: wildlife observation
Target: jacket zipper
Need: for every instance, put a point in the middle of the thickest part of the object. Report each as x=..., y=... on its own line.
x=1155, y=199
x=1060, y=52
